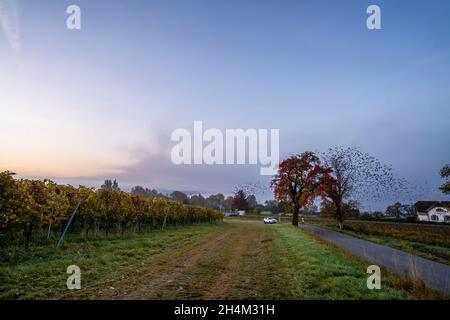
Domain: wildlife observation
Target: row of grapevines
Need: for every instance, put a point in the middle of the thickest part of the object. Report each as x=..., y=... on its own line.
x=35, y=209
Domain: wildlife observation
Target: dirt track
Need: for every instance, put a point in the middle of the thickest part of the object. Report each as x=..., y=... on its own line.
x=206, y=271
x=247, y=260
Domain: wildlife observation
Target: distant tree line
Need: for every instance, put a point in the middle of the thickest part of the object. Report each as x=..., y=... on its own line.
x=239, y=200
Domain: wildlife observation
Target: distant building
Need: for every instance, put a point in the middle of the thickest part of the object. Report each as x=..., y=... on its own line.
x=234, y=213
x=433, y=211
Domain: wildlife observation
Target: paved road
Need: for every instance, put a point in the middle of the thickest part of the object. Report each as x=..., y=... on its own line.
x=435, y=275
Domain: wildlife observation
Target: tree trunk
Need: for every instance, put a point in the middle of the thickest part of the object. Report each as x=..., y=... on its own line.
x=295, y=215
x=339, y=217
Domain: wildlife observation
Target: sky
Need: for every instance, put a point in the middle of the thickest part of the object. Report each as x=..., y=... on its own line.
x=79, y=106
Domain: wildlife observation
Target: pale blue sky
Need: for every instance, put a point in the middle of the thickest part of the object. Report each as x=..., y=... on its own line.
x=102, y=102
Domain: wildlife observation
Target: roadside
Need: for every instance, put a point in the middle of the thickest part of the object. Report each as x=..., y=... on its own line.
x=431, y=242
x=434, y=275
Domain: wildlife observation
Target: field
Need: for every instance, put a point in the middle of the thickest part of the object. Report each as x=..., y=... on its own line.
x=426, y=240
x=233, y=260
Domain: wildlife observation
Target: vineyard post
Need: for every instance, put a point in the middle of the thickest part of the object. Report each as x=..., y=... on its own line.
x=68, y=223
x=165, y=218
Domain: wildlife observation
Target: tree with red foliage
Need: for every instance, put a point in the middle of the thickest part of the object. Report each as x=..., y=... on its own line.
x=299, y=181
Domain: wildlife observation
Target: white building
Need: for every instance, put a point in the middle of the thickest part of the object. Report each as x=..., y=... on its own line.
x=433, y=211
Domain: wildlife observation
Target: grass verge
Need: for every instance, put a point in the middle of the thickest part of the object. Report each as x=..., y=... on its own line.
x=427, y=241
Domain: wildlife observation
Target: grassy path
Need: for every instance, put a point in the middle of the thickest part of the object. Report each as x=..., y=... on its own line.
x=232, y=260
x=109, y=267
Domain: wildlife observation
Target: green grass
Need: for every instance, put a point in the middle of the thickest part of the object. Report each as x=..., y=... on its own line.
x=231, y=260
x=292, y=264
x=40, y=273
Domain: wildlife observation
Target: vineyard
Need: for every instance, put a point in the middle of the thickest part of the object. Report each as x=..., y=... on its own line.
x=35, y=210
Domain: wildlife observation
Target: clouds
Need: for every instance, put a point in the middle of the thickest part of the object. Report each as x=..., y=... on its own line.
x=9, y=22
x=156, y=169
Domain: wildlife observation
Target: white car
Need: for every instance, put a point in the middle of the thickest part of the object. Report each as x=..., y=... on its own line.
x=270, y=220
